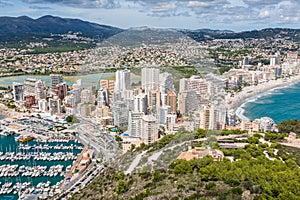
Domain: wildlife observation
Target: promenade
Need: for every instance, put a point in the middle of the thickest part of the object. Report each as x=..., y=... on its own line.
x=251, y=91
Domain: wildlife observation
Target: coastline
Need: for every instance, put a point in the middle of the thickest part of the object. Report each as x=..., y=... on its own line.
x=251, y=93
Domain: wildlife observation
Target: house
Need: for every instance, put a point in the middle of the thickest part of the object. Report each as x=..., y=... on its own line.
x=199, y=152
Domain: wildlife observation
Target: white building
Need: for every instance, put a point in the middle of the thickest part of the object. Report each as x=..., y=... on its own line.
x=54, y=80
x=102, y=98
x=54, y=106
x=163, y=112
x=166, y=82
x=30, y=86
x=140, y=103
x=41, y=91
x=122, y=81
x=135, y=123
x=187, y=102
x=87, y=96
x=193, y=83
x=120, y=113
x=274, y=60
x=150, y=79
x=43, y=105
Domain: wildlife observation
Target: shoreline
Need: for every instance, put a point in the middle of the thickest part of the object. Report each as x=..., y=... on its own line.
x=252, y=93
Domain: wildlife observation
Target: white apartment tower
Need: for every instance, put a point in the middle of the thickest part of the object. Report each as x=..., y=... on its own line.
x=29, y=86
x=102, y=99
x=274, y=60
x=165, y=82
x=150, y=79
x=40, y=92
x=87, y=96
x=140, y=103
x=120, y=113
x=135, y=123
x=122, y=81
x=55, y=79
x=187, y=102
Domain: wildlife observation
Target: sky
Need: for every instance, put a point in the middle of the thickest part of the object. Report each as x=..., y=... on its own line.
x=236, y=15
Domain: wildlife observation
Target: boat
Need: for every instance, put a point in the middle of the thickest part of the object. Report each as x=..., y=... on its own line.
x=26, y=139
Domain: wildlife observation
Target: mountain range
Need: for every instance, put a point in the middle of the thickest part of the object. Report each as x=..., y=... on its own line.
x=18, y=27
x=22, y=28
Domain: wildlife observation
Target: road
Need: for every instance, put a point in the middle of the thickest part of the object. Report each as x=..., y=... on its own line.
x=93, y=137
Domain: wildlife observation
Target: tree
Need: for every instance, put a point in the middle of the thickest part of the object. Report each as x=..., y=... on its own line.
x=122, y=187
x=69, y=118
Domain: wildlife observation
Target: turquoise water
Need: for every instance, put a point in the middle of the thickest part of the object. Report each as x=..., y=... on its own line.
x=8, y=143
x=279, y=104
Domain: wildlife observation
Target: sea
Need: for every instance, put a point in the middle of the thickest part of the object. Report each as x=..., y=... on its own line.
x=279, y=104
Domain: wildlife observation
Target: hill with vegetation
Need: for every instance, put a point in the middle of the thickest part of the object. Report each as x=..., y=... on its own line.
x=146, y=36
x=269, y=33
x=25, y=28
x=249, y=174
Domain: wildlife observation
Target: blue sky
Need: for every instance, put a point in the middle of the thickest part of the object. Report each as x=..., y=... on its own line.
x=234, y=15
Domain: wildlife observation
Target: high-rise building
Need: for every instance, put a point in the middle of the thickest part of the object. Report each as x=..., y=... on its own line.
x=135, y=123
x=54, y=105
x=102, y=99
x=165, y=82
x=274, y=60
x=141, y=103
x=154, y=100
x=171, y=101
x=245, y=61
x=187, y=102
x=108, y=84
x=54, y=80
x=85, y=110
x=18, y=91
x=75, y=94
x=149, y=129
x=43, y=105
x=120, y=113
x=30, y=86
x=61, y=90
x=208, y=118
x=231, y=118
x=193, y=83
x=87, y=96
x=216, y=83
x=29, y=101
x=41, y=91
x=150, y=79
x=122, y=81
x=163, y=112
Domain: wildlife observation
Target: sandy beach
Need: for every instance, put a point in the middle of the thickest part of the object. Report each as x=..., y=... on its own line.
x=251, y=91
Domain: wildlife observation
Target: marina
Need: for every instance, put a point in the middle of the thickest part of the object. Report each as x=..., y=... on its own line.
x=34, y=167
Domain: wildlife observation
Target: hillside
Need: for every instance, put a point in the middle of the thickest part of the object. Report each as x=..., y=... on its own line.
x=250, y=175
x=20, y=28
x=270, y=33
x=146, y=36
